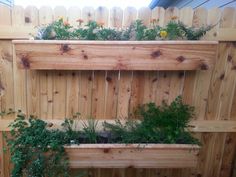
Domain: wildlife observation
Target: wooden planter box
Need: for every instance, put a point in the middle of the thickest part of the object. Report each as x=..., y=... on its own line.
x=132, y=155
x=115, y=55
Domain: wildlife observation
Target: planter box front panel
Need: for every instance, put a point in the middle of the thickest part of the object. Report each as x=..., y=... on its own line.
x=115, y=55
x=132, y=155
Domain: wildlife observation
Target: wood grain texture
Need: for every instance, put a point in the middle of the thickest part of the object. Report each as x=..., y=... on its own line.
x=132, y=155
x=184, y=55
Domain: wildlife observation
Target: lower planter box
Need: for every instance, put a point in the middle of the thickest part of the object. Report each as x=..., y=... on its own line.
x=132, y=155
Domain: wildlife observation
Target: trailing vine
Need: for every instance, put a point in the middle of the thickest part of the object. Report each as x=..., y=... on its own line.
x=174, y=30
x=37, y=150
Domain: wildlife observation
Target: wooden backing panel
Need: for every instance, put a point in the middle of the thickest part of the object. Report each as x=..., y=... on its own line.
x=97, y=56
x=144, y=14
x=98, y=95
x=200, y=17
x=85, y=93
x=158, y=13
x=5, y=15
x=46, y=77
x=170, y=13
x=59, y=77
x=111, y=94
x=59, y=94
x=226, y=99
x=186, y=16
x=202, y=78
x=150, y=87
x=137, y=90
x=31, y=16
x=72, y=93
x=88, y=14
x=124, y=94
x=201, y=91
x=33, y=104
x=215, y=156
x=72, y=77
x=101, y=16
x=60, y=12
x=176, y=85
x=46, y=94
x=163, y=87
x=214, y=16
x=19, y=76
x=228, y=157
x=74, y=14
x=116, y=17
x=130, y=15
x=45, y=15
x=6, y=82
x=18, y=16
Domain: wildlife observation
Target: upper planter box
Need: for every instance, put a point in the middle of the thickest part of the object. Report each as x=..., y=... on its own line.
x=115, y=55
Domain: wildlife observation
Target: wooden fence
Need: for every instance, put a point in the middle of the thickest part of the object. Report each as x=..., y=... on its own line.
x=109, y=94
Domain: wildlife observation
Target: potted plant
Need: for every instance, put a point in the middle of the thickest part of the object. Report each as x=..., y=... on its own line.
x=158, y=139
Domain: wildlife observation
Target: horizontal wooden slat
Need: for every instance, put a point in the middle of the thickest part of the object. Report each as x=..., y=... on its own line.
x=194, y=126
x=17, y=32
x=115, y=55
x=226, y=34
x=132, y=155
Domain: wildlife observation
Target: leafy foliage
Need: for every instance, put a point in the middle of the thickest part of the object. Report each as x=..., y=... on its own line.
x=159, y=124
x=37, y=150
x=61, y=29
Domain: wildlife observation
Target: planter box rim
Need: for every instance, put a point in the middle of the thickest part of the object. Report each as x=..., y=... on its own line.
x=125, y=146
x=95, y=42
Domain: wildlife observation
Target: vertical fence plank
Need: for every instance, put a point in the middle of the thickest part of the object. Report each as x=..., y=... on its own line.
x=226, y=99
x=74, y=14
x=102, y=15
x=116, y=17
x=144, y=14
x=33, y=106
x=45, y=15
x=5, y=15
x=130, y=14
x=59, y=78
x=88, y=14
x=46, y=77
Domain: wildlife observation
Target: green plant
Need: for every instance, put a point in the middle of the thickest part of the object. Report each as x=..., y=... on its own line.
x=89, y=130
x=61, y=29
x=159, y=124
x=36, y=151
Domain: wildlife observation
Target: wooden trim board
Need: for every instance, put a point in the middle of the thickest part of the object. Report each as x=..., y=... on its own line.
x=132, y=155
x=115, y=55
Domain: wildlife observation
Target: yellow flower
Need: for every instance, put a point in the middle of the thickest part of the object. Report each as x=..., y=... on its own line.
x=61, y=18
x=163, y=33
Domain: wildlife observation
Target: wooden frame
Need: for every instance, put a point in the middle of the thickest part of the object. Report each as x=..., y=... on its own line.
x=115, y=55
x=132, y=155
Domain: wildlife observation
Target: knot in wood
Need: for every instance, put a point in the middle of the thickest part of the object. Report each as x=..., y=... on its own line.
x=204, y=66
x=25, y=62
x=180, y=59
x=65, y=48
x=156, y=54
x=107, y=150
x=108, y=79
